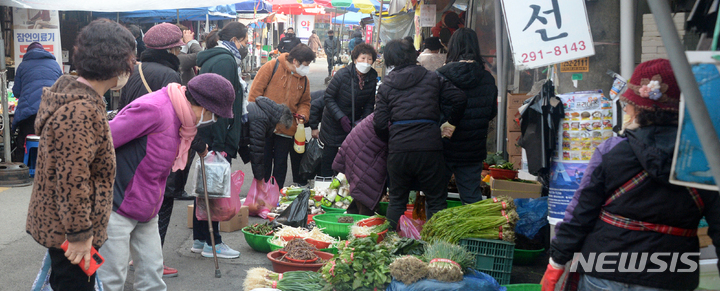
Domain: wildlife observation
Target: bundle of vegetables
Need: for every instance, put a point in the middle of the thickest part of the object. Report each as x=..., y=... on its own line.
x=289, y=281
x=487, y=219
x=299, y=249
x=299, y=232
x=359, y=228
x=408, y=269
x=504, y=166
x=448, y=261
x=360, y=265
x=495, y=159
x=261, y=229
x=399, y=246
x=338, y=194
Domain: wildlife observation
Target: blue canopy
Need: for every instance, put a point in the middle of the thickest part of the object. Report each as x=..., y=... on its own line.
x=249, y=6
x=351, y=18
x=192, y=14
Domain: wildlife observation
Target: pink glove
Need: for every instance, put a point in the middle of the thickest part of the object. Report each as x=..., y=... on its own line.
x=345, y=123
x=551, y=278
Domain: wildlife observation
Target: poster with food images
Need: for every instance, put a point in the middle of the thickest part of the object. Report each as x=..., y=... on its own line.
x=588, y=122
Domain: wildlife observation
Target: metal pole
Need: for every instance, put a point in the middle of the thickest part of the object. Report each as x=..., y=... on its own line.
x=627, y=38
x=688, y=86
x=177, y=16
x=502, y=96
x=379, y=42
x=207, y=22
x=5, y=113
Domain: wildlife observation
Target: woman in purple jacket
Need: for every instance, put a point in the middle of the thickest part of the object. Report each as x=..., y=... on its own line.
x=152, y=136
x=363, y=159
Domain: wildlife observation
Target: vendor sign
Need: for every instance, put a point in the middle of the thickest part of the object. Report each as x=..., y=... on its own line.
x=588, y=122
x=565, y=178
x=43, y=26
x=545, y=32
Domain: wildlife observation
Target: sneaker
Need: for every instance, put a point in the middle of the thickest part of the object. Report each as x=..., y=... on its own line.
x=197, y=246
x=222, y=250
x=184, y=196
x=169, y=272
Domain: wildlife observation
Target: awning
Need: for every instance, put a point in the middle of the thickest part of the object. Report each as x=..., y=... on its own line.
x=113, y=6
x=251, y=6
x=166, y=15
x=351, y=18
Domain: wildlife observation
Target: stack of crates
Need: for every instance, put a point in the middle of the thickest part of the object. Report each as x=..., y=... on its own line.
x=493, y=257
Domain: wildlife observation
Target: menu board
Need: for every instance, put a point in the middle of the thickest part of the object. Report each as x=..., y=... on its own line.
x=588, y=122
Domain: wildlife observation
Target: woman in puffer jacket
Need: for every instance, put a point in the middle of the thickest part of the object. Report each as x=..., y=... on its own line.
x=352, y=88
x=264, y=115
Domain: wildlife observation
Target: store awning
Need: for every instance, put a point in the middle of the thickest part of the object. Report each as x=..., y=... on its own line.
x=252, y=6
x=351, y=18
x=113, y=6
x=192, y=14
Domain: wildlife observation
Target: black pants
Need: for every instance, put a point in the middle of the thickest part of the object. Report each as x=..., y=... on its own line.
x=164, y=214
x=329, y=153
x=174, y=187
x=295, y=160
x=201, y=231
x=331, y=64
x=25, y=127
x=277, y=149
x=427, y=171
x=66, y=276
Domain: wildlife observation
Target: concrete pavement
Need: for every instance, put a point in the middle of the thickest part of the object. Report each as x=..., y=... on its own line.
x=21, y=256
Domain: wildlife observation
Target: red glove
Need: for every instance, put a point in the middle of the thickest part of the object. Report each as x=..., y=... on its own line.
x=551, y=278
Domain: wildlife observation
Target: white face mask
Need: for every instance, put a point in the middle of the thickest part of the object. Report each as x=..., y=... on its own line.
x=121, y=81
x=363, y=67
x=202, y=123
x=302, y=70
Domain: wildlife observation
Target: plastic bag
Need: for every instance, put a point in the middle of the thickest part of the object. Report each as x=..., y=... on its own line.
x=223, y=209
x=533, y=215
x=310, y=163
x=410, y=227
x=217, y=173
x=473, y=281
x=268, y=192
x=297, y=213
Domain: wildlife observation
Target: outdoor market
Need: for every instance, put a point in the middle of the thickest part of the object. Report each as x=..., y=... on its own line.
x=400, y=145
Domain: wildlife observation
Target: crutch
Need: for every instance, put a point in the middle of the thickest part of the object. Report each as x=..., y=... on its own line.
x=207, y=208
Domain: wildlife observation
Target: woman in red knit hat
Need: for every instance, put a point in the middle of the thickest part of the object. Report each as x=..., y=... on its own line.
x=626, y=215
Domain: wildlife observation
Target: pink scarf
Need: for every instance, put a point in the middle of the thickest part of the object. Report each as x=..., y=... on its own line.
x=187, y=118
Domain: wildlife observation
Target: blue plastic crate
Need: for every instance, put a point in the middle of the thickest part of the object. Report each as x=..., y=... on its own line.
x=493, y=257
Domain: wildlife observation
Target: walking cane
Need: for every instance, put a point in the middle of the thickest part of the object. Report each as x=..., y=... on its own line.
x=207, y=208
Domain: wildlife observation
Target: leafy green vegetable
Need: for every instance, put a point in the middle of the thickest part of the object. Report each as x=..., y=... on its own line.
x=495, y=159
x=361, y=265
x=505, y=166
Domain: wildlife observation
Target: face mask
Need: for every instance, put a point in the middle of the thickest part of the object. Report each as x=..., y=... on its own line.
x=291, y=35
x=202, y=123
x=363, y=67
x=330, y=37
x=122, y=80
x=302, y=70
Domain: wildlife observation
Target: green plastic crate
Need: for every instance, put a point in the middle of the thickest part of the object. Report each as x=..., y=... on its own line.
x=493, y=257
x=453, y=203
x=332, y=209
x=329, y=225
x=523, y=287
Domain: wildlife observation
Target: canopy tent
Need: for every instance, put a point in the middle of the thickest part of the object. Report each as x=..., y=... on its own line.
x=166, y=15
x=351, y=18
x=362, y=6
x=111, y=6
x=250, y=6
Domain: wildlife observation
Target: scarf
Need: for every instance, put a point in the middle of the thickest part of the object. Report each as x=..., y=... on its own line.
x=231, y=46
x=184, y=112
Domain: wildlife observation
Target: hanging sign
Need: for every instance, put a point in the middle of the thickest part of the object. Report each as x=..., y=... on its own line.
x=368, y=33
x=305, y=25
x=43, y=26
x=545, y=32
x=427, y=15
x=575, y=66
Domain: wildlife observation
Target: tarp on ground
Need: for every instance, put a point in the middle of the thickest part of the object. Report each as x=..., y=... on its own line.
x=192, y=14
x=113, y=6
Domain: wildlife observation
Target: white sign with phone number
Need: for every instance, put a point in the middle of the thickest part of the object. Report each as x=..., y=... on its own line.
x=546, y=32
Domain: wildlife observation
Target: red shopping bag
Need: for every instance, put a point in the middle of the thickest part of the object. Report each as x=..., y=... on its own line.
x=267, y=192
x=223, y=209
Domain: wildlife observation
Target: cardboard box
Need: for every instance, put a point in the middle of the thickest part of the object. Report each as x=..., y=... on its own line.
x=513, y=189
x=512, y=140
x=516, y=100
x=236, y=223
x=517, y=161
x=512, y=118
x=703, y=237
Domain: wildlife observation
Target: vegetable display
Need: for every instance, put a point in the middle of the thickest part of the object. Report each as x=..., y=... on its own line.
x=299, y=249
x=374, y=224
x=495, y=159
x=487, y=219
x=289, y=281
x=447, y=262
x=399, y=246
x=408, y=269
x=361, y=264
x=504, y=166
x=297, y=232
x=337, y=195
x=261, y=229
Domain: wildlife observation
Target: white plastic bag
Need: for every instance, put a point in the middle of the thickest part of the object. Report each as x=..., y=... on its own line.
x=217, y=172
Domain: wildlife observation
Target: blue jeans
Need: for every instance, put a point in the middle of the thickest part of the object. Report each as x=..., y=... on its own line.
x=467, y=177
x=590, y=283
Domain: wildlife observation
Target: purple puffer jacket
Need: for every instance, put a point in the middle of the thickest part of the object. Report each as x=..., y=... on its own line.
x=146, y=137
x=363, y=159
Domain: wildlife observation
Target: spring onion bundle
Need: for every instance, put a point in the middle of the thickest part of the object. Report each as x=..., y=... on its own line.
x=289, y=281
x=408, y=269
x=448, y=262
x=487, y=219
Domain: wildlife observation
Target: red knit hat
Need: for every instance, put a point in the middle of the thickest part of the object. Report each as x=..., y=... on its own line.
x=163, y=36
x=653, y=86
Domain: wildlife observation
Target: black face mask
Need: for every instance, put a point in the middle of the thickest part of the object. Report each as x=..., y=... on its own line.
x=291, y=35
x=330, y=37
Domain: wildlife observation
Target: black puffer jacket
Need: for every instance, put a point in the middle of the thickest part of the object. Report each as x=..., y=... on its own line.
x=263, y=116
x=409, y=98
x=160, y=69
x=288, y=43
x=317, y=106
x=467, y=144
x=338, y=103
x=654, y=200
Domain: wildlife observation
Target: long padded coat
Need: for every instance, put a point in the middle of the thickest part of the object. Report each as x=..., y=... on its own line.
x=263, y=115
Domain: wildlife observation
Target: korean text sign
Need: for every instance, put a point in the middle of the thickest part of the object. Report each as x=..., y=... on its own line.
x=545, y=32
x=42, y=26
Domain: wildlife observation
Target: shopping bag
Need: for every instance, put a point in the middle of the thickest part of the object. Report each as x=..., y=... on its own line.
x=310, y=163
x=222, y=209
x=217, y=174
x=296, y=214
x=268, y=192
x=410, y=228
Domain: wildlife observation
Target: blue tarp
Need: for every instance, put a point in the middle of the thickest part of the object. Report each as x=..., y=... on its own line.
x=192, y=14
x=351, y=18
x=249, y=6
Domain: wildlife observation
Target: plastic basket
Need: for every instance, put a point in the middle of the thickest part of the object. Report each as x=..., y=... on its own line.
x=523, y=287
x=453, y=203
x=274, y=247
x=332, y=209
x=329, y=225
x=493, y=257
x=257, y=242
